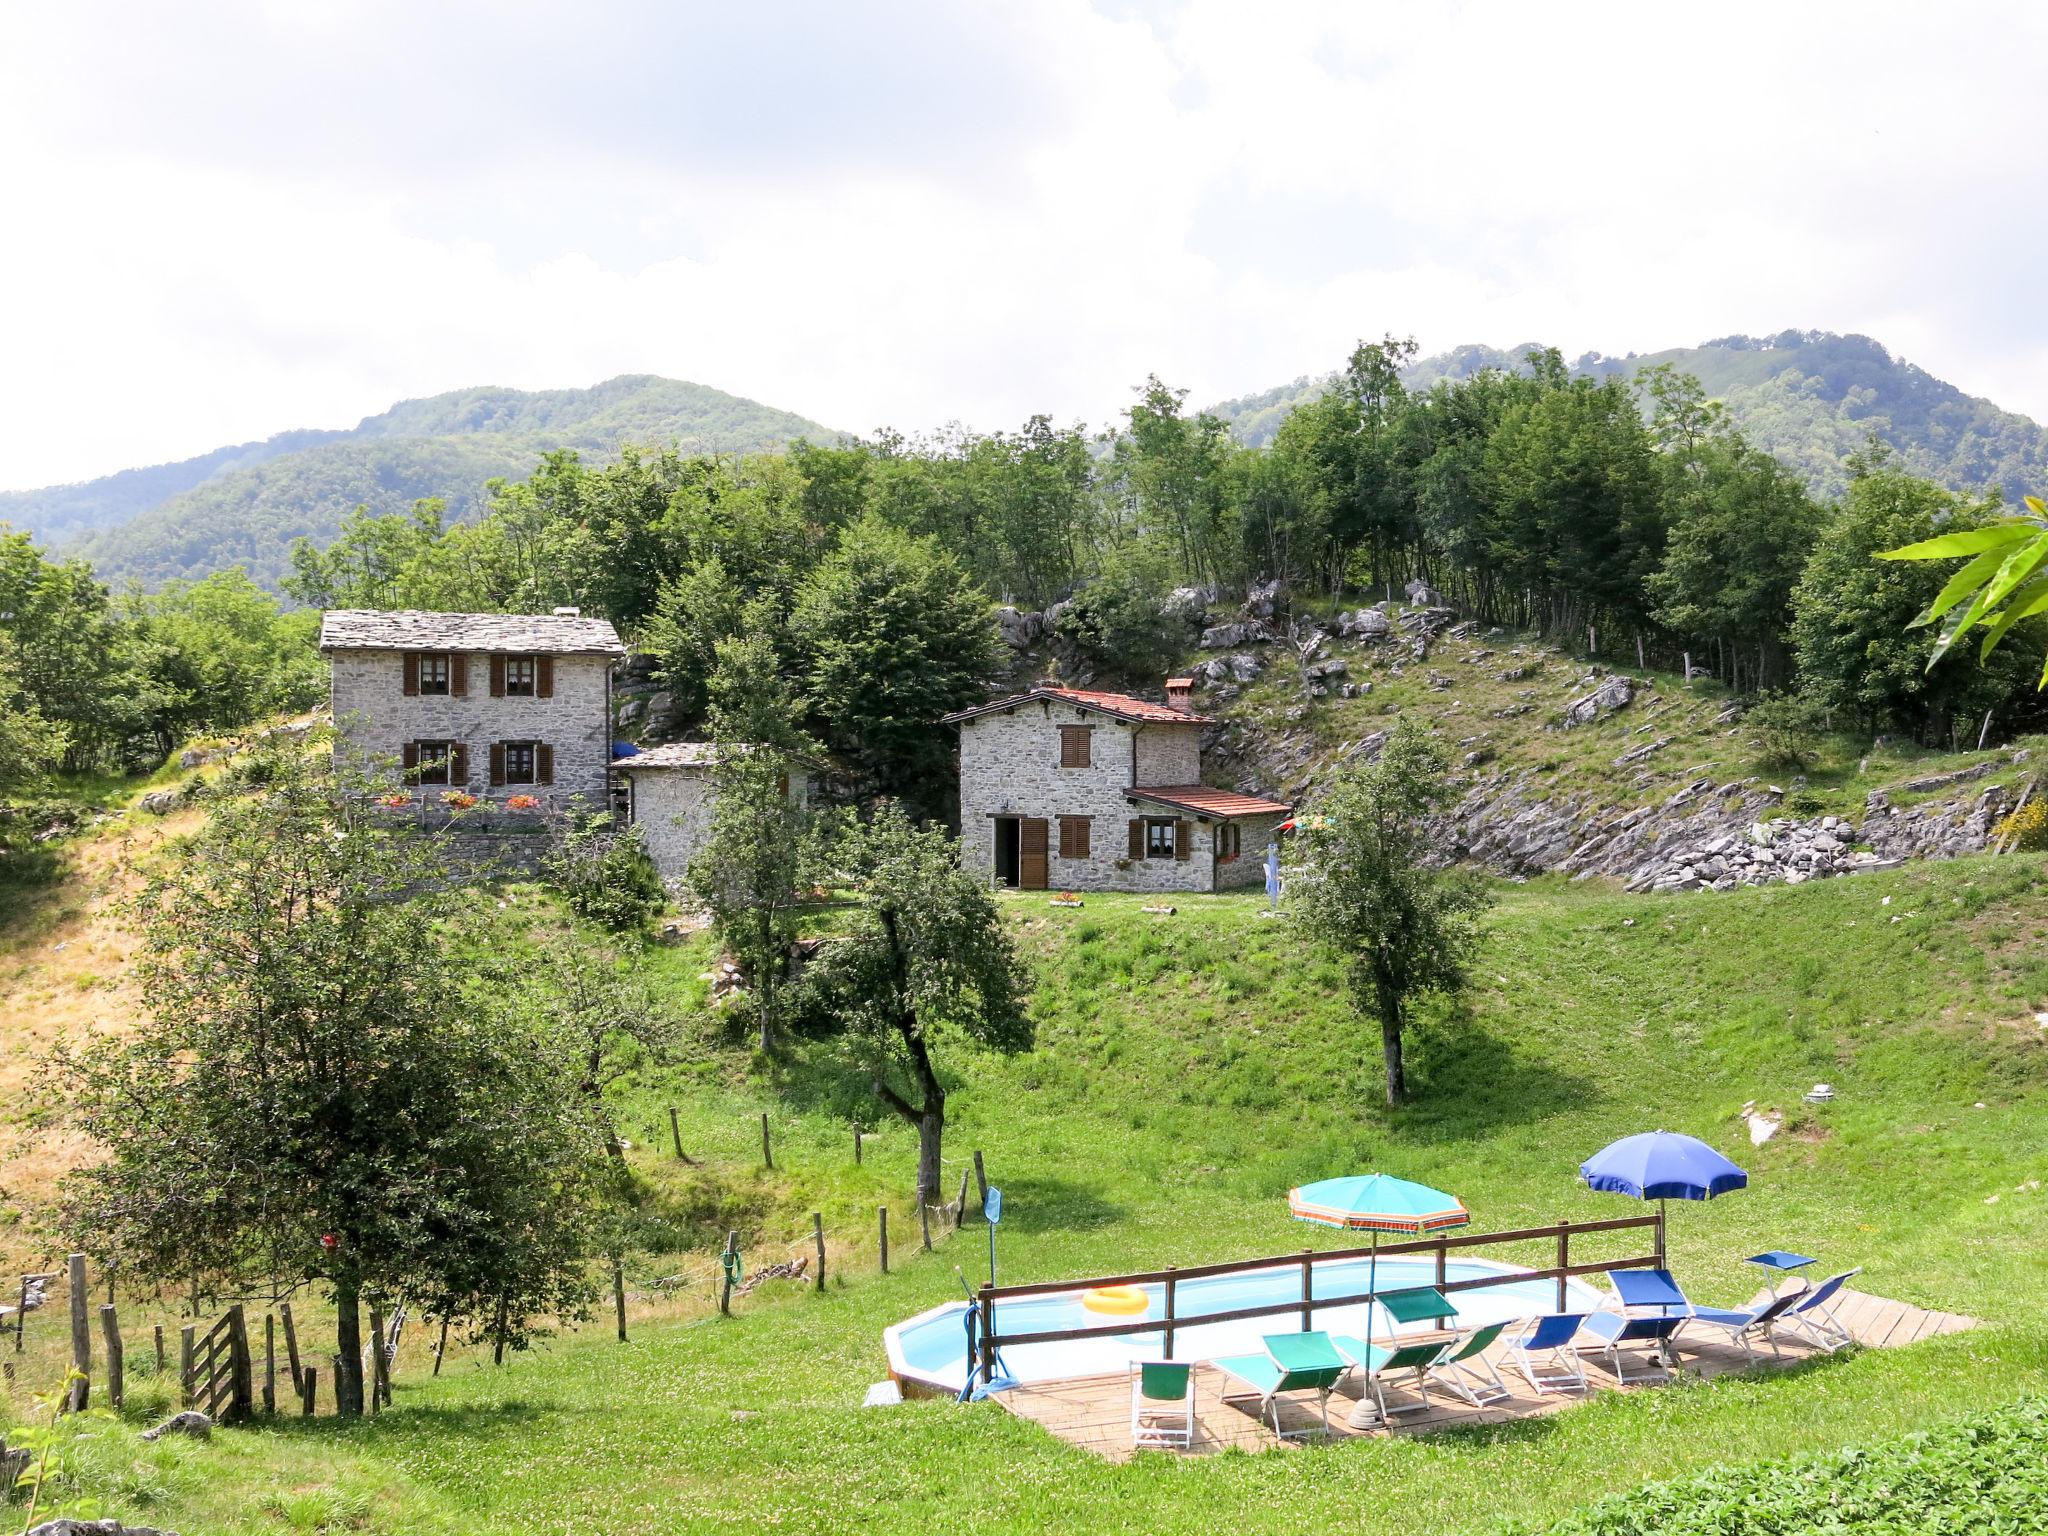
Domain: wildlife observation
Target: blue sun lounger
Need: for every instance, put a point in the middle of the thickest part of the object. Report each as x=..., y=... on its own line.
x=1812, y=1314
x=1746, y=1323
x=1653, y=1309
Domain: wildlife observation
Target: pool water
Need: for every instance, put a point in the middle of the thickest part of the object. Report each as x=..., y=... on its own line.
x=930, y=1349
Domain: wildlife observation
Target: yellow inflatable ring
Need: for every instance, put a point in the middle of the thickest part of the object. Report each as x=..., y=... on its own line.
x=1118, y=1300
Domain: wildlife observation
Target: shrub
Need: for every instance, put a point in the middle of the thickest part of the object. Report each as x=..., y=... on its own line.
x=2027, y=828
x=605, y=875
x=1787, y=729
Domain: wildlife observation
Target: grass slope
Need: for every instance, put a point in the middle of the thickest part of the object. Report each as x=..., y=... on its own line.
x=1188, y=1070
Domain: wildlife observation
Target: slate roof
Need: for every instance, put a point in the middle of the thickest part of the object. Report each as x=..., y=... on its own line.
x=675, y=754
x=1224, y=804
x=1122, y=705
x=517, y=634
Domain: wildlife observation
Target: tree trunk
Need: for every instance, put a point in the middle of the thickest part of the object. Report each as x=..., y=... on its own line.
x=1390, y=1048
x=931, y=1131
x=348, y=1344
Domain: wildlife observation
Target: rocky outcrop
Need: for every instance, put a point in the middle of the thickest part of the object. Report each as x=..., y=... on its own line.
x=1019, y=629
x=1603, y=697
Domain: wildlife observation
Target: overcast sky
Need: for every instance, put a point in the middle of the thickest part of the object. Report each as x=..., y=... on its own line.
x=224, y=219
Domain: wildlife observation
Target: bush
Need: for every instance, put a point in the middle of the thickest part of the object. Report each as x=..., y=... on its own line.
x=2026, y=829
x=1988, y=1472
x=605, y=875
x=1787, y=729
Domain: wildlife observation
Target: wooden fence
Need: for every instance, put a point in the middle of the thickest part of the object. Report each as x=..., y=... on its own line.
x=1307, y=1304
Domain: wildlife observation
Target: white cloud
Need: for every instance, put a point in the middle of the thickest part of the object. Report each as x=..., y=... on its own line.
x=230, y=221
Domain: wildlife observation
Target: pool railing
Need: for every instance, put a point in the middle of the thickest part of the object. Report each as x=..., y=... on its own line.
x=988, y=1341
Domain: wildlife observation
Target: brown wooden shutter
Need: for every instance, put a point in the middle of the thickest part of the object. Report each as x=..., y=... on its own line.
x=544, y=762
x=1074, y=837
x=1074, y=746
x=409, y=754
x=497, y=762
x=1031, y=869
x=458, y=764
x=544, y=677
x=458, y=675
x=1183, y=839
x=497, y=677
x=1137, y=850
x=412, y=675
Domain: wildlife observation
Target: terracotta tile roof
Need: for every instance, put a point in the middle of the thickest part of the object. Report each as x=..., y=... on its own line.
x=550, y=634
x=1122, y=705
x=1204, y=801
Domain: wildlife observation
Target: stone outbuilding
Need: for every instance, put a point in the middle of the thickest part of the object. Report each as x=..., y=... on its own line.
x=670, y=796
x=491, y=704
x=1075, y=789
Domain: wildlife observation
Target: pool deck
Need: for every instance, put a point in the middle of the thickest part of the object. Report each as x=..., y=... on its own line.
x=1094, y=1412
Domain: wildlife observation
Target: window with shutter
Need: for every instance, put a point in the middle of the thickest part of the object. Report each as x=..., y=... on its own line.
x=431, y=761
x=1075, y=748
x=1229, y=841
x=434, y=673
x=544, y=762
x=521, y=677
x=1074, y=836
x=521, y=761
x=1183, y=839
x=1161, y=838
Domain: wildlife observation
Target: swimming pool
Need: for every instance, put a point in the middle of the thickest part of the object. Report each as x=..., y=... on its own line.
x=929, y=1351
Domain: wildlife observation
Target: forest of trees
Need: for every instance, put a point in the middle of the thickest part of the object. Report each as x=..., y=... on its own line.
x=1606, y=513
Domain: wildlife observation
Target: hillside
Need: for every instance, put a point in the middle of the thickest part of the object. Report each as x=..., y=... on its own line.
x=1187, y=1070
x=247, y=504
x=1810, y=397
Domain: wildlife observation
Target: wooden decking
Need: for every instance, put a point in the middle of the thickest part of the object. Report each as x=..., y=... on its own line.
x=1094, y=1412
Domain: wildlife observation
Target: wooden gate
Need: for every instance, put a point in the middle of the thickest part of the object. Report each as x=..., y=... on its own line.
x=220, y=1382
x=1031, y=862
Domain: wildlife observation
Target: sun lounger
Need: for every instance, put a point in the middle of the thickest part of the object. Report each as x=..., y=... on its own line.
x=1555, y=1336
x=1464, y=1369
x=1293, y=1362
x=1744, y=1324
x=1812, y=1313
x=1379, y=1361
x=1615, y=1330
x=1162, y=1404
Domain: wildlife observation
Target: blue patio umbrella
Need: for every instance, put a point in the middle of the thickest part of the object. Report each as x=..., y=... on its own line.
x=1660, y=1166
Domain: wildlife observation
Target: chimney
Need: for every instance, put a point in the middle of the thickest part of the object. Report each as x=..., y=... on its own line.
x=568, y=613
x=1180, y=694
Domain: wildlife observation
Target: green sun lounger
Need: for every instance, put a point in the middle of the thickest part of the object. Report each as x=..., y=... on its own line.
x=1293, y=1362
x=1378, y=1361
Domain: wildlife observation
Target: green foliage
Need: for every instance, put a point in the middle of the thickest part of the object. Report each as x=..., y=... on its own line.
x=1787, y=728
x=317, y=1097
x=1985, y=1473
x=221, y=654
x=1999, y=586
x=1853, y=613
x=925, y=957
x=602, y=870
x=892, y=635
x=1361, y=887
x=1116, y=622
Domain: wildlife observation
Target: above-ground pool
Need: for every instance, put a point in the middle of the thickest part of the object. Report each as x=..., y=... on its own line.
x=929, y=1351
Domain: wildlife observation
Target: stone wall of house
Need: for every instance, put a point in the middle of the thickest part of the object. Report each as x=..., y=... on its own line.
x=1169, y=754
x=1010, y=766
x=1249, y=867
x=374, y=719
x=672, y=808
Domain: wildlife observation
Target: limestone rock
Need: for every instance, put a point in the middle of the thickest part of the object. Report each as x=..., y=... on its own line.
x=1609, y=695
x=1224, y=637
x=161, y=802
x=1261, y=599
x=1019, y=629
x=190, y=1422
x=1365, y=624
x=1422, y=595
x=1186, y=605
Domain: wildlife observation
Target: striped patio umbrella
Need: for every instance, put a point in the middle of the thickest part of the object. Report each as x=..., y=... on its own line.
x=1376, y=1203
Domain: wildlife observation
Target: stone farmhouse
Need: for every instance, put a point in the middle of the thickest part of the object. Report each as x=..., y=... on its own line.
x=671, y=799
x=1072, y=789
x=495, y=704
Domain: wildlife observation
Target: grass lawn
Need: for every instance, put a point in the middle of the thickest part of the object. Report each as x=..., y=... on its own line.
x=1188, y=1071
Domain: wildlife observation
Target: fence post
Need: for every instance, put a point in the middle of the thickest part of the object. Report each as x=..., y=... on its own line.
x=856, y=1143
x=441, y=1345
x=186, y=1339
x=1308, y=1273
x=960, y=1210
x=619, y=1291
x=1442, y=1262
x=1168, y=1354
x=1564, y=1261
x=818, y=1236
x=732, y=1242
x=981, y=1182
x=675, y=1131
x=376, y=1355
x=159, y=1349
x=767, y=1155
x=882, y=1218
x=924, y=1216
x=21, y=1318
x=291, y=1344
x=81, y=1332
x=269, y=1363
x=240, y=1366
x=110, y=1326
x=309, y=1378
x=1662, y=1261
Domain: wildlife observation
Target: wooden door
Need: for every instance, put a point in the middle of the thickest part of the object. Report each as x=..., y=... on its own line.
x=1031, y=854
